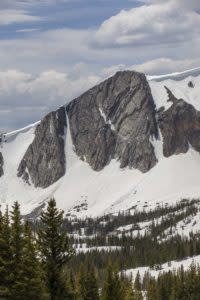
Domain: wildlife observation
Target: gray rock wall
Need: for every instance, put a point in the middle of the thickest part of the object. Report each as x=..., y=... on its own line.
x=180, y=127
x=115, y=120
x=44, y=161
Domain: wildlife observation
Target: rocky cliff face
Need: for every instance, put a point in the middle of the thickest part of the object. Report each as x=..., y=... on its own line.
x=115, y=120
x=44, y=161
x=1, y=164
x=180, y=126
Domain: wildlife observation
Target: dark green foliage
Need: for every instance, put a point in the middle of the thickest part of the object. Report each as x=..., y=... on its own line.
x=17, y=244
x=54, y=249
x=113, y=287
x=87, y=284
x=31, y=269
x=5, y=256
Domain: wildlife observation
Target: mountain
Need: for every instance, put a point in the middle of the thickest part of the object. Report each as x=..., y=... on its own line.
x=131, y=141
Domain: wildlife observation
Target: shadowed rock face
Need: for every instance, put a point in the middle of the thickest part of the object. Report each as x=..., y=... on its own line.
x=115, y=120
x=180, y=127
x=44, y=161
x=1, y=164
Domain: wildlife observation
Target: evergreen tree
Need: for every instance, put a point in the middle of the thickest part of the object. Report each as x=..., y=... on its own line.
x=113, y=288
x=3, y=261
x=87, y=282
x=17, y=244
x=31, y=269
x=55, y=250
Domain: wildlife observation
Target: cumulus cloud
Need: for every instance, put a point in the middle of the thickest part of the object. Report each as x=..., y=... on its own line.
x=25, y=98
x=160, y=22
x=41, y=70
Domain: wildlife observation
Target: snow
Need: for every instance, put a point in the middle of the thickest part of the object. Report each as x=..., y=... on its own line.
x=84, y=249
x=179, y=87
x=105, y=119
x=176, y=76
x=85, y=192
x=109, y=191
x=185, y=227
x=164, y=268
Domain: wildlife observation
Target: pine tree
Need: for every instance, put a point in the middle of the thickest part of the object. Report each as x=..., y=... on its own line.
x=113, y=288
x=31, y=269
x=72, y=292
x=55, y=250
x=152, y=290
x=87, y=282
x=5, y=255
x=3, y=270
x=17, y=253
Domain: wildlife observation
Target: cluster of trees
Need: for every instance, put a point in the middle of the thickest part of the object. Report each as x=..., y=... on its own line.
x=107, y=224
x=34, y=265
x=38, y=262
x=180, y=285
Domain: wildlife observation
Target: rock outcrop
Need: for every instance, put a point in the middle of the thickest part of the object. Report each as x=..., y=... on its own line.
x=44, y=161
x=180, y=127
x=115, y=119
x=1, y=164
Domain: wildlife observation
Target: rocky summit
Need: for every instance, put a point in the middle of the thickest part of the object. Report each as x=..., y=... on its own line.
x=124, y=143
x=115, y=119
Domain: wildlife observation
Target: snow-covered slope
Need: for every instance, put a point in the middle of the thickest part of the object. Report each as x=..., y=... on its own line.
x=83, y=191
x=172, y=266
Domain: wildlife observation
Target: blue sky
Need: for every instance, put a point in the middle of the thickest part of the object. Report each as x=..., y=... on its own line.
x=80, y=14
x=53, y=50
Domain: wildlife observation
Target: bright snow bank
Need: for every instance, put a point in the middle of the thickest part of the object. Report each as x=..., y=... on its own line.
x=170, y=266
x=97, y=193
x=179, y=84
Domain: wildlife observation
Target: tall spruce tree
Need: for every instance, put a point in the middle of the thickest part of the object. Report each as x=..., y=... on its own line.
x=5, y=256
x=113, y=287
x=55, y=250
x=17, y=244
x=31, y=269
x=87, y=283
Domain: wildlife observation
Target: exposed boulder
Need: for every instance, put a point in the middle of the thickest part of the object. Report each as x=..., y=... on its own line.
x=115, y=119
x=180, y=126
x=1, y=164
x=44, y=161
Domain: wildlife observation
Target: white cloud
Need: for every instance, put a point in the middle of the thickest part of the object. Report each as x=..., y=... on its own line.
x=160, y=23
x=10, y=16
x=24, y=98
x=43, y=70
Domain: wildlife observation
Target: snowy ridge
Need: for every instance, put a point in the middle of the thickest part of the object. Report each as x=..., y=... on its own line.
x=84, y=192
x=164, y=268
x=176, y=76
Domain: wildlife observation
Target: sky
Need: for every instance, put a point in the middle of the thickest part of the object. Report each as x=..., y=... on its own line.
x=53, y=50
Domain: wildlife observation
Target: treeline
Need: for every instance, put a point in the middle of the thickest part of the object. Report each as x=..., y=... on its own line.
x=180, y=285
x=107, y=224
x=35, y=265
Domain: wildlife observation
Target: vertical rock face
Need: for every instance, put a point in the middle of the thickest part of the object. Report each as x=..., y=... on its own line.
x=115, y=119
x=180, y=127
x=1, y=164
x=44, y=161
